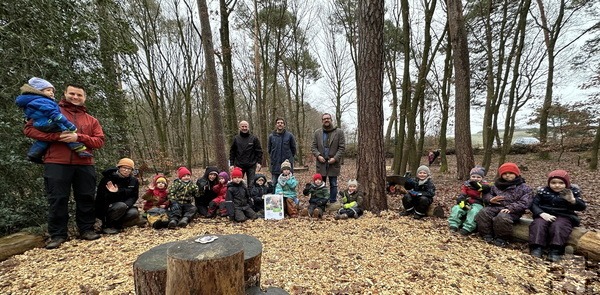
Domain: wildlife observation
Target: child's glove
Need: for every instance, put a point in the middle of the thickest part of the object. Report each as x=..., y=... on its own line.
x=462, y=203
x=567, y=194
x=306, y=190
x=349, y=205
x=548, y=217
x=413, y=193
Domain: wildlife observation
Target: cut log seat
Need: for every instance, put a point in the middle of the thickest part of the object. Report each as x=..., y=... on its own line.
x=583, y=241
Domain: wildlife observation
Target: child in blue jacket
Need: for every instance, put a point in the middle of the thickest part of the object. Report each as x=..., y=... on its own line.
x=37, y=101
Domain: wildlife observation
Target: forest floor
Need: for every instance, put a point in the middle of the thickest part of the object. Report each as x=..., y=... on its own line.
x=384, y=254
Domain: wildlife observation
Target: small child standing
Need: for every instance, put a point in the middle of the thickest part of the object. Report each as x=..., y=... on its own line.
x=181, y=195
x=286, y=186
x=217, y=205
x=37, y=101
x=237, y=199
x=469, y=203
x=554, y=216
x=420, y=195
x=261, y=187
x=351, y=200
x=156, y=202
x=319, y=196
x=505, y=204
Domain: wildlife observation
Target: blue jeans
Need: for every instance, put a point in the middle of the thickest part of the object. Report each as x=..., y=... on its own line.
x=332, y=188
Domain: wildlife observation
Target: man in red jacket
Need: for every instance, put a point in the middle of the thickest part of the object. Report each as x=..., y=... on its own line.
x=64, y=169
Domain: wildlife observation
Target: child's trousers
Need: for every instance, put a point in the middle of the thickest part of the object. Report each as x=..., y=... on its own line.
x=457, y=214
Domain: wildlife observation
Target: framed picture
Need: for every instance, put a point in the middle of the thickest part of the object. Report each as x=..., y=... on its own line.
x=273, y=206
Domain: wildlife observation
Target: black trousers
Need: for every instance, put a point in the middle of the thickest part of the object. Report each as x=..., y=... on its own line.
x=545, y=233
x=58, y=181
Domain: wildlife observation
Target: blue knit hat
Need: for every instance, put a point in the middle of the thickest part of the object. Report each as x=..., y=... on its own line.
x=39, y=83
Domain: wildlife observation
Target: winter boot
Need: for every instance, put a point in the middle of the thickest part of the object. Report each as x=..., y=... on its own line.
x=183, y=222
x=536, y=251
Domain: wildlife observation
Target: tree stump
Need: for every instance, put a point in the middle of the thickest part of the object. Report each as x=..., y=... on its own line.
x=583, y=241
x=150, y=271
x=19, y=243
x=270, y=291
x=252, y=259
x=213, y=268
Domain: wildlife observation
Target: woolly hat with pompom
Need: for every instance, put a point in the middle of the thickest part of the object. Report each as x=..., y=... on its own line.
x=478, y=170
x=286, y=165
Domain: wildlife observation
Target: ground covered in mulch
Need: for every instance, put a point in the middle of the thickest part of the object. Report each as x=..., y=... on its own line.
x=383, y=254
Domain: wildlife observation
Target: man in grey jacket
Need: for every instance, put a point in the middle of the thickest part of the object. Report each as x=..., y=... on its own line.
x=328, y=147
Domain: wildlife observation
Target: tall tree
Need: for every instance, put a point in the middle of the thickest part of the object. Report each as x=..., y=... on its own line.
x=212, y=86
x=225, y=8
x=462, y=128
x=371, y=160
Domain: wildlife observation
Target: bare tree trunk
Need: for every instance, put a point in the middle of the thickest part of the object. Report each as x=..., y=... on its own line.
x=462, y=131
x=595, y=149
x=230, y=113
x=371, y=160
x=445, y=105
x=212, y=87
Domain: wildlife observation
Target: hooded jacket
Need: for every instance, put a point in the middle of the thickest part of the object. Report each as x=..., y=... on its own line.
x=156, y=197
x=43, y=110
x=517, y=194
x=205, y=187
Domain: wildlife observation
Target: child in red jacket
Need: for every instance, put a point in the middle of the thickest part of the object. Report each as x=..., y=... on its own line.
x=156, y=202
x=218, y=203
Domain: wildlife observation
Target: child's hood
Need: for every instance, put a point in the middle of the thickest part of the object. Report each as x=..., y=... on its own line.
x=259, y=176
x=157, y=176
x=210, y=169
x=29, y=94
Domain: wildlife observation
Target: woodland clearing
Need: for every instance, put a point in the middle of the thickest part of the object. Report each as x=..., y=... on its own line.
x=384, y=254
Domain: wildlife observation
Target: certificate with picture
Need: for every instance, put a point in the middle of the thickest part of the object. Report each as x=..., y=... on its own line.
x=273, y=206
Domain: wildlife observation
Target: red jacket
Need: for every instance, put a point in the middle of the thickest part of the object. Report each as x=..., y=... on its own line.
x=221, y=190
x=89, y=132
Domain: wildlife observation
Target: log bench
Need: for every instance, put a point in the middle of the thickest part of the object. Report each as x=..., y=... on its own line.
x=228, y=265
x=582, y=241
x=18, y=243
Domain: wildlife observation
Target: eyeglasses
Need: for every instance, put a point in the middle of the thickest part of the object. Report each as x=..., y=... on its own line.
x=126, y=168
x=326, y=119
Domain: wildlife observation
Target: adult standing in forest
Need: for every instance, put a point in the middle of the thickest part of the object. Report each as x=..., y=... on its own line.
x=246, y=153
x=328, y=147
x=64, y=169
x=281, y=147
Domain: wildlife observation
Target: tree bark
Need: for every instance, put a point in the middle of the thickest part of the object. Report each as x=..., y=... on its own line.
x=212, y=87
x=231, y=125
x=462, y=129
x=371, y=159
x=18, y=243
x=150, y=270
x=252, y=259
x=212, y=268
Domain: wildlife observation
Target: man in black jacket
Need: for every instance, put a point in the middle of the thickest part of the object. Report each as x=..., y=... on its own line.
x=246, y=153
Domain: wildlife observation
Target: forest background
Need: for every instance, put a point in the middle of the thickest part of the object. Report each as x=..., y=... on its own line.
x=169, y=90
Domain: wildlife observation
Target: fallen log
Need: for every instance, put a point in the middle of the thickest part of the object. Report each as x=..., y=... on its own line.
x=150, y=270
x=18, y=243
x=215, y=268
x=582, y=241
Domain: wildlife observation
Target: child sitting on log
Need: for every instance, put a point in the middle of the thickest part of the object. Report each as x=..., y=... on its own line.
x=554, y=216
x=420, y=194
x=469, y=203
x=504, y=205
